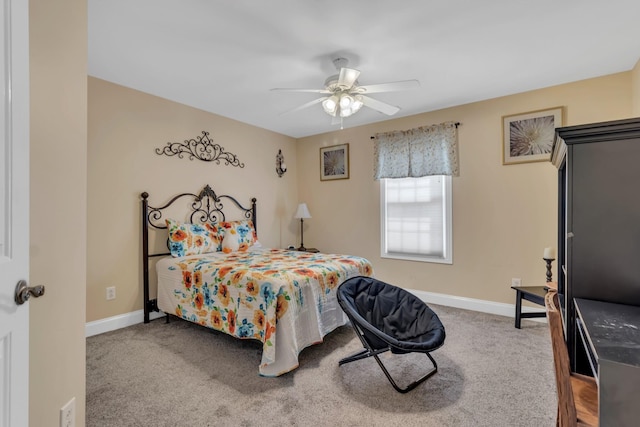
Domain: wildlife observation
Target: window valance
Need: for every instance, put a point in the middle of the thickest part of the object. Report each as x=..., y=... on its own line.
x=423, y=151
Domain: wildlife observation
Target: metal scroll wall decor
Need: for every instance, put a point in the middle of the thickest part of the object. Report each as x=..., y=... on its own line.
x=201, y=148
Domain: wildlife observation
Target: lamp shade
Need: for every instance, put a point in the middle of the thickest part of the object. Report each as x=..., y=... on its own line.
x=330, y=105
x=303, y=211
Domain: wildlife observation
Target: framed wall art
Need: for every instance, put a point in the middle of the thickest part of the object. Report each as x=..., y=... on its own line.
x=528, y=137
x=334, y=162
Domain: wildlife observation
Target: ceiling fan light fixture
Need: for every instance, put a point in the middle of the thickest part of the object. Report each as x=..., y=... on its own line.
x=357, y=103
x=345, y=101
x=342, y=95
x=346, y=112
x=349, y=105
x=330, y=105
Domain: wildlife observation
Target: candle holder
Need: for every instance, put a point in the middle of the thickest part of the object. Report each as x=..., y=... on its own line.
x=549, y=275
x=281, y=168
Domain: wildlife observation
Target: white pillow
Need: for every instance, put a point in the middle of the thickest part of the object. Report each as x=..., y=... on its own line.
x=230, y=243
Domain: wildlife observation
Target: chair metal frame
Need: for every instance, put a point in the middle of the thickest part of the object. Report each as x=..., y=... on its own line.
x=371, y=352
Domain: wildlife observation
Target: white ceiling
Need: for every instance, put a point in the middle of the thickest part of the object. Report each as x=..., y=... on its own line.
x=224, y=56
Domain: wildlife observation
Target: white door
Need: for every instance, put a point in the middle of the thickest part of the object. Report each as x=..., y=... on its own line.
x=14, y=211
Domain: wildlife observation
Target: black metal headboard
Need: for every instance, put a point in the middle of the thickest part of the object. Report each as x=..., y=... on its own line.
x=207, y=207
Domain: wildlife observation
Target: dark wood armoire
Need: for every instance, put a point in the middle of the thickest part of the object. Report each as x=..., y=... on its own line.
x=598, y=219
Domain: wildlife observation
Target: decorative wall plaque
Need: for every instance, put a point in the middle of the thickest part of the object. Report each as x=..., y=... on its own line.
x=201, y=148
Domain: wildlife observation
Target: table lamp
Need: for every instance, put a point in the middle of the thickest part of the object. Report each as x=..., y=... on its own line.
x=302, y=213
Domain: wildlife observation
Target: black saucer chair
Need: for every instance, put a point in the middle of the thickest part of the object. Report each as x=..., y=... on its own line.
x=386, y=317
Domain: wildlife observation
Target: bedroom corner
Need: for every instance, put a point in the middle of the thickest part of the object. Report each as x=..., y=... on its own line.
x=125, y=128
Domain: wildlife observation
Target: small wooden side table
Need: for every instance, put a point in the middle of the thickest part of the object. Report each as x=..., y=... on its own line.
x=534, y=294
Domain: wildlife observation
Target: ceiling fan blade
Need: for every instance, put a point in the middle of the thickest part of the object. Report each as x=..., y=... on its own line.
x=283, y=89
x=303, y=106
x=389, y=87
x=348, y=77
x=383, y=107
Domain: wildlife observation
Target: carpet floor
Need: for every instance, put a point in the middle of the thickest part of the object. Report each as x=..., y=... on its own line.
x=180, y=374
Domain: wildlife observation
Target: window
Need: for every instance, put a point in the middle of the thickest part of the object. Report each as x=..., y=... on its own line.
x=416, y=219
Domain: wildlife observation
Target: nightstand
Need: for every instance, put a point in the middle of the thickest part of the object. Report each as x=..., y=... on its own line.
x=312, y=250
x=535, y=294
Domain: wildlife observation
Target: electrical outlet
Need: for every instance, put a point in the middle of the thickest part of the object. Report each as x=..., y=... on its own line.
x=68, y=414
x=516, y=281
x=111, y=292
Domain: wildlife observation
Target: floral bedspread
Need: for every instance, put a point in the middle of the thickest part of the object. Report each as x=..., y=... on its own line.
x=285, y=299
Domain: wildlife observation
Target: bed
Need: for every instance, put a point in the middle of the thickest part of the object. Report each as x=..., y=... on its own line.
x=214, y=272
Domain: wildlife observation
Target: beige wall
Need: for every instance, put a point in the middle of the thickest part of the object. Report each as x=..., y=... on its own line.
x=503, y=216
x=635, y=89
x=58, y=174
x=125, y=128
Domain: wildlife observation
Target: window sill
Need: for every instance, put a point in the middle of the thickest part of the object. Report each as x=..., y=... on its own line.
x=407, y=257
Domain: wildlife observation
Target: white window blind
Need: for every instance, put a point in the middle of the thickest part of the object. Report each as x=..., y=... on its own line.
x=416, y=218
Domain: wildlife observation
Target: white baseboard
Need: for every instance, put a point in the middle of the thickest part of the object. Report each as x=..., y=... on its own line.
x=116, y=322
x=128, y=319
x=483, y=306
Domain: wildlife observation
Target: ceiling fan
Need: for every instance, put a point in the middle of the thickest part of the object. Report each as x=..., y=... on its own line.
x=344, y=97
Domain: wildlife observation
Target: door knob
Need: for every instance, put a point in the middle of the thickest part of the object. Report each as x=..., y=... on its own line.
x=24, y=292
